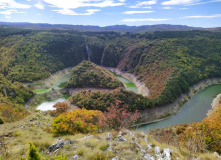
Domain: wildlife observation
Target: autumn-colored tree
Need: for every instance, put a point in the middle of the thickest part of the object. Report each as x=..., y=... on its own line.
x=117, y=117
x=61, y=107
x=80, y=120
x=195, y=137
x=8, y=112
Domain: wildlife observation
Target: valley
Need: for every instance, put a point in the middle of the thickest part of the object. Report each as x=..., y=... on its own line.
x=153, y=75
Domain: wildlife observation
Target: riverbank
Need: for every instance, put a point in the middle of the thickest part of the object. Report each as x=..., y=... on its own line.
x=155, y=114
x=215, y=104
x=50, y=81
x=142, y=89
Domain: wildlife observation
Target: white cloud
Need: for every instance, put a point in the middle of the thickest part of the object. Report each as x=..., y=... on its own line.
x=179, y=2
x=143, y=20
x=11, y=4
x=70, y=4
x=7, y=17
x=71, y=12
x=39, y=6
x=135, y=12
x=187, y=2
x=211, y=16
x=167, y=8
x=39, y=14
x=66, y=6
x=144, y=4
x=9, y=12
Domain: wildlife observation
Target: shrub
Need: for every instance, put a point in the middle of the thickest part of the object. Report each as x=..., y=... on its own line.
x=80, y=120
x=61, y=107
x=33, y=153
x=118, y=117
x=1, y=121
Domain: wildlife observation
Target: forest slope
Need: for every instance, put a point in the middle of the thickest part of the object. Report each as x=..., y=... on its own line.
x=12, y=98
x=88, y=74
x=167, y=62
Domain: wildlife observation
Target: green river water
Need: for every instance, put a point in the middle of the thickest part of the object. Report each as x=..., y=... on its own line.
x=193, y=111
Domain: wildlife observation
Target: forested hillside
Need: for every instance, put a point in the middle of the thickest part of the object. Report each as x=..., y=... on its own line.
x=168, y=62
x=12, y=98
x=88, y=74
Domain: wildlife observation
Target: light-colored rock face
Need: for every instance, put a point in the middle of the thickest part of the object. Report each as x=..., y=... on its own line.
x=142, y=89
x=155, y=114
x=214, y=104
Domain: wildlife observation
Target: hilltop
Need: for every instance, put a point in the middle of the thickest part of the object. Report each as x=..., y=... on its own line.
x=88, y=74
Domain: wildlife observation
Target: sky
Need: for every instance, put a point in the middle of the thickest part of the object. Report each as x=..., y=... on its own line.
x=196, y=13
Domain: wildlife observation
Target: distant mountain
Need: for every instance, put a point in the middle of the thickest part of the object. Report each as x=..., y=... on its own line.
x=115, y=28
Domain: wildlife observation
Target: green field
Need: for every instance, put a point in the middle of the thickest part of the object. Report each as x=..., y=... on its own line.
x=44, y=90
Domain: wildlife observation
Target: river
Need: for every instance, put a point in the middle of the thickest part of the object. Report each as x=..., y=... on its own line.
x=127, y=84
x=193, y=111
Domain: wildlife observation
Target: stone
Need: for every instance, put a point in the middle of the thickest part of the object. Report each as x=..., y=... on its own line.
x=149, y=146
x=56, y=146
x=166, y=154
x=139, y=146
x=110, y=148
x=157, y=150
x=69, y=142
x=146, y=138
x=22, y=126
x=121, y=138
x=86, y=137
x=37, y=124
x=130, y=133
x=115, y=158
x=148, y=157
x=217, y=155
x=76, y=157
x=33, y=119
x=109, y=136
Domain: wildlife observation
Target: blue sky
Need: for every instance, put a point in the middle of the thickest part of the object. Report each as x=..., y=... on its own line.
x=197, y=13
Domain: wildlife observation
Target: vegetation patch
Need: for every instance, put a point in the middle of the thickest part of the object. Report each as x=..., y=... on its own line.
x=88, y=74
x=41, y=91
x=99, y=100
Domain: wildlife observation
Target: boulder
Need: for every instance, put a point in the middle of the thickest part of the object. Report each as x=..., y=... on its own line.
x=56, y=146
x=148, y=157
x=115, y=158
x=109, y=136
x=149, y=146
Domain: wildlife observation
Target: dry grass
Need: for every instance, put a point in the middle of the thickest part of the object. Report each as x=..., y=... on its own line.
x=95, y=148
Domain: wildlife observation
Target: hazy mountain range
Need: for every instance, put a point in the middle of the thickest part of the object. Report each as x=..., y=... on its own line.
x=116, y=28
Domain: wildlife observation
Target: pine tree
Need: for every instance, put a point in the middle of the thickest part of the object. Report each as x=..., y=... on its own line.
x=33, y=153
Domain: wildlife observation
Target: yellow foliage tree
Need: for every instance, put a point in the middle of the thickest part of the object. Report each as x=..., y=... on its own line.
x=75, y=121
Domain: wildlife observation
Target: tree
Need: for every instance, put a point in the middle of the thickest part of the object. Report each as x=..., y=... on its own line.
x=61, y=107
x=119, y=117
x=33, y=153
x=75, y=121
x=1, y=121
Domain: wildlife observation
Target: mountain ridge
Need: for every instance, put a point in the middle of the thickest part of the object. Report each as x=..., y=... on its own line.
x=116, y=28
